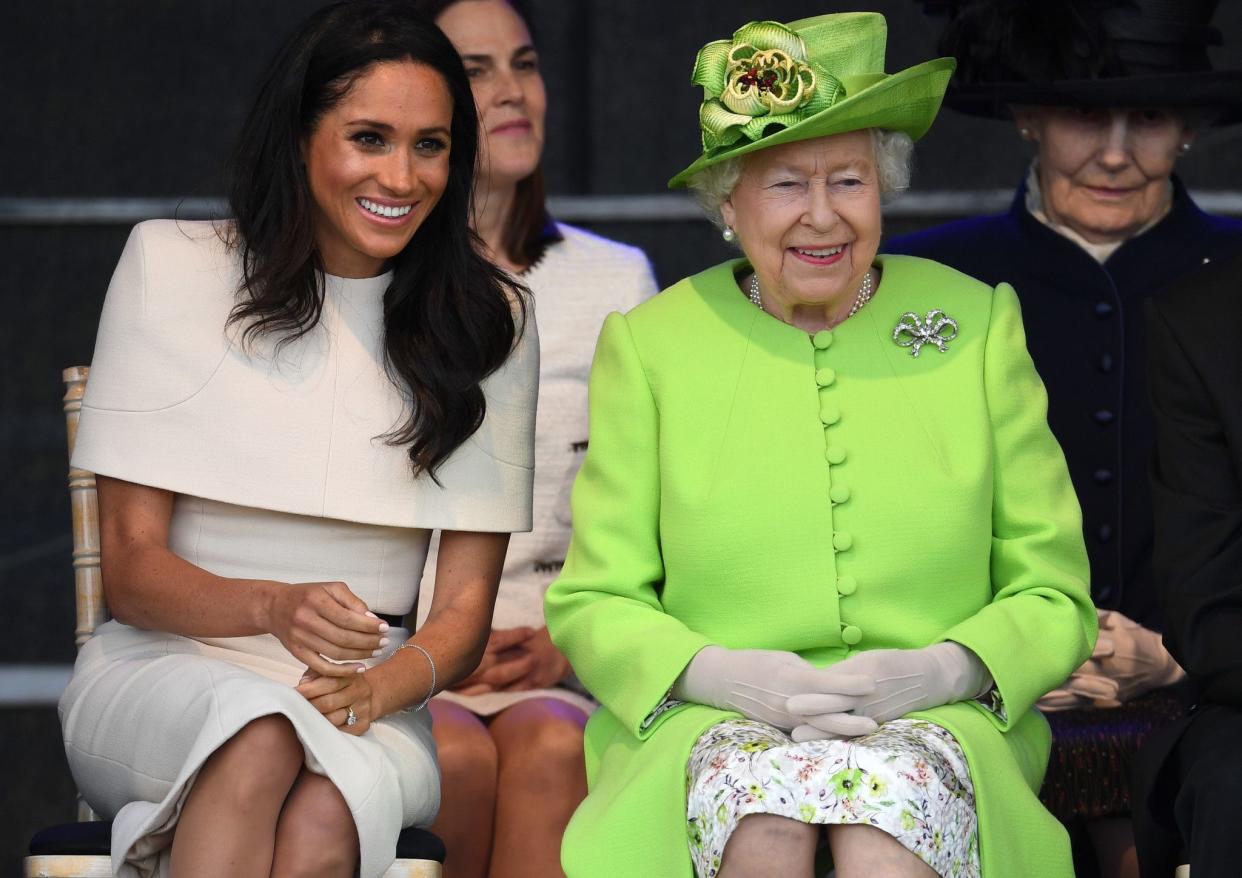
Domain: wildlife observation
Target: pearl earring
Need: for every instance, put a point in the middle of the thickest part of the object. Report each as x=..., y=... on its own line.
x=1025, y=133
x=728, y=234
x=1185, y=147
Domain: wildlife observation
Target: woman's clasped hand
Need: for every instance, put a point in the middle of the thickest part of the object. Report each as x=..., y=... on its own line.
x=845, y=700
x=900, y=681
x=1128, y=661
x=516, y=660
x=323, y=624
x=342, y=697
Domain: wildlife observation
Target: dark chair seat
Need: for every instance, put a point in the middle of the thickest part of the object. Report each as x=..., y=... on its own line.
x=95, y=839
x=90, y=839
x=419, y=844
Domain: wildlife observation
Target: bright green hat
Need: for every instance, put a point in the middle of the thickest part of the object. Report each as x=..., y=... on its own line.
x=774, y=83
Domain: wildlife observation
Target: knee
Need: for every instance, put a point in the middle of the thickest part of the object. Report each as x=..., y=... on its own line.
x=559, y=741
x=318, y=834
x=467, y=755
x=263, y=759
x=547, y=745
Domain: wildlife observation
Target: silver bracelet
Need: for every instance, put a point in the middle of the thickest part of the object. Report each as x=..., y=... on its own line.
x=432, y=690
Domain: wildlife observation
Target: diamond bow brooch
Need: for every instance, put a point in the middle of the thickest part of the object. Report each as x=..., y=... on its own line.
x=936, y=328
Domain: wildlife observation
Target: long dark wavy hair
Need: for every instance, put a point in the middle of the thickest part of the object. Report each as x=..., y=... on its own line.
x=529, y=228
x=451, y=318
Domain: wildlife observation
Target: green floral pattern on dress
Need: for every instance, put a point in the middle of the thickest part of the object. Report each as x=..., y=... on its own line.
x=909, y=778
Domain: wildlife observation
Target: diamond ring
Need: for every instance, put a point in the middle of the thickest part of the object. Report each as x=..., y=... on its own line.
x=350, y=716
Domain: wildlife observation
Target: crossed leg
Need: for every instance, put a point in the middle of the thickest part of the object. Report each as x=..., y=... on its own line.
x=255, y=811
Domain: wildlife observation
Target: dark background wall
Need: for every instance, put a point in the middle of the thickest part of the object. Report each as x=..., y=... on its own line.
x=129, y=98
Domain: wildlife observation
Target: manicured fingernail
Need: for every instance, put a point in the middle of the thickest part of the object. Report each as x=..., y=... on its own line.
x=383, y=626
x=383, y=641
x=360, y=669
x=376, y=653
x=372, y=615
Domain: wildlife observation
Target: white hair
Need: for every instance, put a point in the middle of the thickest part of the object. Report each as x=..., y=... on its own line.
x=894, y=151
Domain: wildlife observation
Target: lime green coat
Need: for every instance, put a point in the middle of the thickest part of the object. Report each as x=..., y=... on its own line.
x=750, y=486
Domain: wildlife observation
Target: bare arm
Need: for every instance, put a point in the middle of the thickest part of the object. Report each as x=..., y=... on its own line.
x=455, y=633
x=148, y=586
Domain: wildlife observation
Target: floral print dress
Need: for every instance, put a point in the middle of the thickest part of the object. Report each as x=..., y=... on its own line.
x=908, y=778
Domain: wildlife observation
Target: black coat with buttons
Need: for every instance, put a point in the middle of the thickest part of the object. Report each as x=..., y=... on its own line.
x=1085, y=330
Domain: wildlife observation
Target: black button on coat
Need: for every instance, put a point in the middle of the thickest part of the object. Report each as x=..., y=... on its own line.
x=1085, y=330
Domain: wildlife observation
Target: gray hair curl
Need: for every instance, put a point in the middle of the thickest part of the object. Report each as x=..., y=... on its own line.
x=894, y=152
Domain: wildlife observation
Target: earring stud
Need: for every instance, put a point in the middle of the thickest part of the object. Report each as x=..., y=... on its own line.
x=728, y=234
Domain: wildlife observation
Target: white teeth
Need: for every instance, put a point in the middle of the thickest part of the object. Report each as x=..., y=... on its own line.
x=381, y=210
x=829, y=251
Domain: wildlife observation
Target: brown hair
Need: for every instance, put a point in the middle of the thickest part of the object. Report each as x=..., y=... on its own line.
x=529, y=228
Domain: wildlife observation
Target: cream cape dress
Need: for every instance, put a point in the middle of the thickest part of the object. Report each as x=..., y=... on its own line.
x=278, y=474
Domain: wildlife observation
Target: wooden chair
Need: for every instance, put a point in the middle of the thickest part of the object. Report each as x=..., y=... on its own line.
x=82, y=850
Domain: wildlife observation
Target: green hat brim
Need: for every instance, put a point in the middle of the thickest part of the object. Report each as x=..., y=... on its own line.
x=906, y=101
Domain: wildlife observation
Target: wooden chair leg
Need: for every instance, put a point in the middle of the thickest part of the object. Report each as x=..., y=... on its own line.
x=68, y=866
x=414, y=869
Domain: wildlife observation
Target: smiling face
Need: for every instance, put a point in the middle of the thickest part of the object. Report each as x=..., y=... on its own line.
x=503, y=67
x=807, y=216
x=377, y=164
x=1104, y=173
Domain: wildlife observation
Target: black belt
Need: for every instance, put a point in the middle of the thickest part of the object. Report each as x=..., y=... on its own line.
x=393, y=621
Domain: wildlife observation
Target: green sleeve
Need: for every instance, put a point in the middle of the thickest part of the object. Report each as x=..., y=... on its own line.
x=1041, y=624
x=604, y=610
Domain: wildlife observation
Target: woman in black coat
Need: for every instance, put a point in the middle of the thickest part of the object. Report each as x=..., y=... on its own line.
x=1099, y=224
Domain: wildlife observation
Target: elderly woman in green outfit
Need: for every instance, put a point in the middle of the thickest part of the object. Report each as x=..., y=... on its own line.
x=826, y=554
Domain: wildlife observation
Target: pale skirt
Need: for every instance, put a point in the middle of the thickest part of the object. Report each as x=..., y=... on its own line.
x=145, y=709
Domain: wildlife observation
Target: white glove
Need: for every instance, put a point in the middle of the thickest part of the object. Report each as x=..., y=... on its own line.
x=903, y=681
x=757, y=683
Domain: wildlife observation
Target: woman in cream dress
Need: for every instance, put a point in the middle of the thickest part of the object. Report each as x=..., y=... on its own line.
x=280, y=410
x=510, y=736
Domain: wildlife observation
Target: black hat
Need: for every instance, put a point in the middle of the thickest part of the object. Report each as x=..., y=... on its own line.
x=1085, y=53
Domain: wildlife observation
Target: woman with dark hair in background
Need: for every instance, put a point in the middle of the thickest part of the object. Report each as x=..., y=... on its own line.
x=1111, y=95
x=510, y=737
x=281, y=408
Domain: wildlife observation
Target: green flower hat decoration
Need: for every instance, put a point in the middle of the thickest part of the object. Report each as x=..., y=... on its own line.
x=774, y=83
x=759, y=78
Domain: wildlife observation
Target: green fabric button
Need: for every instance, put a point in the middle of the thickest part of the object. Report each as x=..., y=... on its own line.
x=839, y=494
x=842, y=541
x=829, y=414
x=834, y=454
x=846, y=586
x=851, y=634
x=822, y=339
x=825, y=377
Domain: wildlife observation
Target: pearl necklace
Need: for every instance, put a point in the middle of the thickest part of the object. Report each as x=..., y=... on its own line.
x=865, y=292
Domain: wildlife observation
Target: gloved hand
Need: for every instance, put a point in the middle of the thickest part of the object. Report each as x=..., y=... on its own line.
x=1084, y=688
x=757, y=683
x=904, y=680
